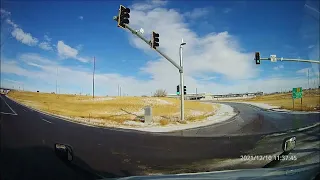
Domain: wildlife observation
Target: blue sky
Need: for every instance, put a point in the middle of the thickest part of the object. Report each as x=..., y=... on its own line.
x=48, y=43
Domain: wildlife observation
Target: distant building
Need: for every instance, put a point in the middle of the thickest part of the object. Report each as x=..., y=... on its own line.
x=209, y=96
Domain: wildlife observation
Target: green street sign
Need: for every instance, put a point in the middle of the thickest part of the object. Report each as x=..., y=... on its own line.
x=297, y=93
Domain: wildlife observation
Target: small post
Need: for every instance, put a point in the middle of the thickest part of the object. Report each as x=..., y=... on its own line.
x=301, y=103
x=196, y=93
x=293, y=103
x=148, y=115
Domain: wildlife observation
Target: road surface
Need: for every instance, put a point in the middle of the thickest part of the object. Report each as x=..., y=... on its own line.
x=27, y=139
x=253, y=120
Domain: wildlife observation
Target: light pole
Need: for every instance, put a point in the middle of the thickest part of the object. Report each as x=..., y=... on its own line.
x=181, y=81
x=94, y=68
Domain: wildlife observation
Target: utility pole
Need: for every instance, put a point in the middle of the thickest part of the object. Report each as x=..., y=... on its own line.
x=57, y=82
x=94, y=68
x=308, y=79
x=120, y=91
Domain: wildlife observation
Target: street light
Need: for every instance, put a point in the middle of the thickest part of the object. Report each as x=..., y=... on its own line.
x=181, y=80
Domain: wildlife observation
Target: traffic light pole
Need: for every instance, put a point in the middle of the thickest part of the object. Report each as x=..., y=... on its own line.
x=295, y=60
x=180, y=68
x=149, y=43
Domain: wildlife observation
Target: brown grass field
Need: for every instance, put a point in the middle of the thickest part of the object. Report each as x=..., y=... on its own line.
x=310, y=100
x=117, y=109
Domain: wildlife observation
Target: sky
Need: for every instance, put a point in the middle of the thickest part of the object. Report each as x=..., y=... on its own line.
x=50, y=46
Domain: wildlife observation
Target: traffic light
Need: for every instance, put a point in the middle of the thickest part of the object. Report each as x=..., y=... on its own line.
x=123, y=17
x=178, y=90
x=184, y=90
x=257, y=57
x=155, y=40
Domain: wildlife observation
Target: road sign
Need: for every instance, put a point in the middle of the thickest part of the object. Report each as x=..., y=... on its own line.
x=297, y=93
x=273, y=58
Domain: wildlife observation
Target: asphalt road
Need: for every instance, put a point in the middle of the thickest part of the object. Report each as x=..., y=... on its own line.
x=27, y=139
x=253, y=120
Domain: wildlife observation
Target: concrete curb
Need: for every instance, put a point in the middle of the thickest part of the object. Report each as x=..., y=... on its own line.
x=293, y=112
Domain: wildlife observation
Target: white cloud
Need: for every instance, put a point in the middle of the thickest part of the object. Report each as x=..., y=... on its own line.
x=80, y=17
x=12, y=23
x=214, y=53
x=303, y=71
x=36, y=58
x=72, y=79
x=79, y=47
x=45, y=46
x=208, y=78
x=23, y=37
x=197, y=13
x=47, y=38
x=83, y=59
x=308, y=72
x=149, y=4
x=9, y=83
x=65, y=51
x=20, y=35
x=27, y=38
x=4, y=13
x=13, y=81
x=278, y=67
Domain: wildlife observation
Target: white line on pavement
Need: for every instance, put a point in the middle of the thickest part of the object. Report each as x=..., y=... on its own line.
x=9, y=106
x=8, y=113
x=46, y=121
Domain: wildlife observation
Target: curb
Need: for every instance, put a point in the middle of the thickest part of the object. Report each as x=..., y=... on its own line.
x=290, y=112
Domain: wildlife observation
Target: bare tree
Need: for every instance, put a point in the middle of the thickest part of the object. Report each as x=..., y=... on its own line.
x=160, y=93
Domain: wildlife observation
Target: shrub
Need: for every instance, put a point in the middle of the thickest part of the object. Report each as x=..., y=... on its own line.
x=160, y=93
x=164, y=122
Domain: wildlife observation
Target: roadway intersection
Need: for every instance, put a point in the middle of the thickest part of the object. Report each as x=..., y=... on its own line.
x=27, y=139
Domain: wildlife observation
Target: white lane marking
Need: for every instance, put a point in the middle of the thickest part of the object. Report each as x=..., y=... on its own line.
x=46, y=121
x=8, y=113
x=8, y=106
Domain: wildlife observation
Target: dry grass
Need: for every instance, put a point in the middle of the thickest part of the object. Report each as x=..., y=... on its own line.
x=164, y=122
x=117, y=109
x=310, y=100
